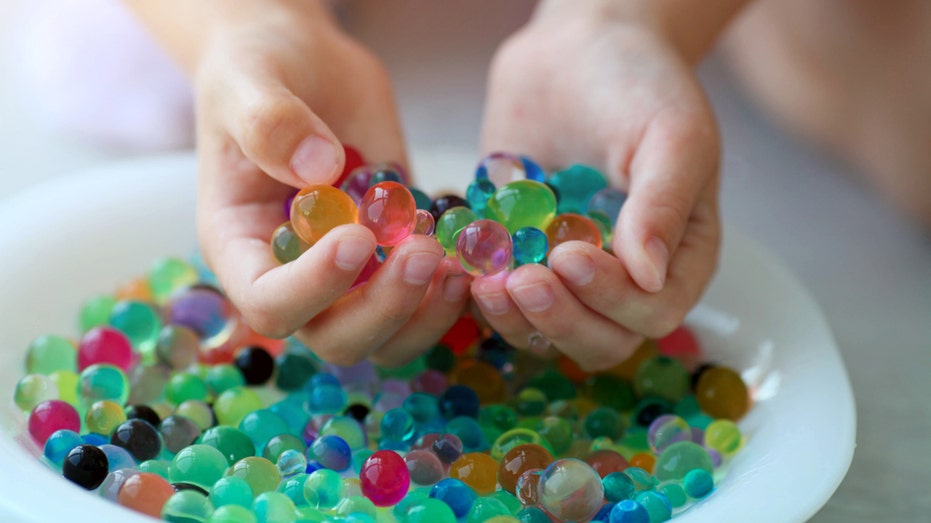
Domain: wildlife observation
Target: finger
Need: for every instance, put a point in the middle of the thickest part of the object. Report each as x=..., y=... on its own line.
x=499, y=310
x=279, y=132
x=593, y=341
x=356, y=325
x=441, y=307
x=676, y=159
x=587, y=272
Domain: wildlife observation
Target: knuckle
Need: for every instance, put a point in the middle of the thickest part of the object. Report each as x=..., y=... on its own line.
x=261, y=121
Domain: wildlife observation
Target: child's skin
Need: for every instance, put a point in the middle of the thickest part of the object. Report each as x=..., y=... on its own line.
x=279, y=86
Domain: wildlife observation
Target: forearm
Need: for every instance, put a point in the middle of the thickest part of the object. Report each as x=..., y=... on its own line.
x=692, y=26
x=186, y=27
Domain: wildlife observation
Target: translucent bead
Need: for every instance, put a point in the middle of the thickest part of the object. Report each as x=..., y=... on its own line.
x=519, y=460
x=59, y=444
x=230, y=441
x=429, y=511
x=657, y=506
x=424, y=466
x=48, y=354
x=231, y=490
x=457, y=495
x=524, y=203
x=666, y=430
x=698, y=483
x=486, y=509
x=571, y=490
x=484, y=247
x=450, y=224
x=187, y=505
x=33, y=389
x=105, y=345
x=232, y=514
x=722, y=393
x=103, y=382
x=572, y=227
x=317, y=209
x=207, y=312
x=384, y=478
x=723, y=436
x=424, y=223
x=388, y=209
x=346, y=428
x=200, y=465
x=679, y=458
x=618, y=486
x=477, y=194
x=145, y=493
x=662, y=377
x=274, y=507
x=103, y=417
x=95, y=312
x=604, y=422
x=140, y=322
x=177, y=347
x=262, y=475
x=607, y=201
x=629, y=511
x=357, y=182
x=576, y=186
x=478, y=470
x=606, y=461
x=287, y=246
x=168, y=275
x=332, y=452
x=233, y=405
x=324, y=489
x=530, y=245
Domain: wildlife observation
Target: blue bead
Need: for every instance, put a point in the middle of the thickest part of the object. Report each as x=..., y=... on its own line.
x=327, y=399
x=608, y=201
x=59, y=444
x=534, y=171
x=459, y=400
x=478, y=193
x=331, y=452
x=322, y=378
x=530, y=245
x=118, y=457
x=459, y=496
x=92, y=438
x=604, y=514
x=629, y=511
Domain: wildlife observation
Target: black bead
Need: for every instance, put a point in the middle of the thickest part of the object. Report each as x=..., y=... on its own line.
x=188, y=486
x=459, y=400
x=358, y=412
x=650, y=412
x=143, y=412
x=86, y=466
x=698, y=372
x=139, y=437
x=255, y=364
x=445, y=203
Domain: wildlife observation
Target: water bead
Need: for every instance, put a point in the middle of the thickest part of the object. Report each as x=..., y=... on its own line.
x=555, y=385
x=477, y=470
x=698, y=483
x=233, y=404
x=530, y=401
x=604, y=422
x=324, y=489
x=514, y=437
x=650, y=408
x=721, y=393
x=141, y=324
x=424, y=223
x=557, y=431
x=286, y=245
x=138, y=437
x=199, y=465
x=105, y=345
x=388, y=209
x=59, y=444
x=187, y=506
x=482, y=378
x=95, y=312
x=177, y=347
x=261, y=426
x=723, y=436
x=47, y=354
x=447, y=447
x=606, y=462
x=397, y=425
x=618, y=486
x=533, y=515
x=457, y=495
x=221, y=378
x=103, y=417
x=167, y=275
x=262, y=475
x=293, y=371
x=519, y=460
x=206, y=311
x=346, y=428
x=85, y=466
x=178, y=432
x=280, y=443
x=147, y=383
x=459, y=400
x=384, y=478
x=317, y=209
x=232, y=514
x=197, y=411
x=572, y=227
x=629, y=511
x=450, y=224
x=327, y=399
x=330, y=451
x=231, y=490
x=274, y=507
x=486, y=509
x=663, y=377
x=673, y=492
x=33, y=389
x=429, y=511
x=576, y=186
x=643, y=460
x=50, y=416
x=423, y=201
x=477, y=194
x=524, y=203
x=255, y=364
x=230, y=441
x=571, y=490
x=484, y=247
x=666, y=430
x=679, y=458
x=134, y=289
x=469, y=433
x=501, y=168
x=657, y=506
x=183, y=387
x=424, y=466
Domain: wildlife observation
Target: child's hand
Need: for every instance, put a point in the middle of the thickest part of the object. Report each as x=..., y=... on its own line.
x=266, y=83
x=591, y=90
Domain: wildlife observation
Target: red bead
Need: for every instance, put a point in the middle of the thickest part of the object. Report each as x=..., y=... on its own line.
x=52, y=415
x=384, y=478
x=105, y=345
x=462, y=335
x=353, y=160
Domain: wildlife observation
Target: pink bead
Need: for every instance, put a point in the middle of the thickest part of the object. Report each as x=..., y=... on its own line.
x=52, y=415
x=484, y=247
x=384, y=478
x=389, y=210
x=430, y=381
x=425, y=224
x=105, y=345
x=424, y=467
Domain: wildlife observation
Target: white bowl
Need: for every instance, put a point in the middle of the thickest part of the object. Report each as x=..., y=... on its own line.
x=79, y=235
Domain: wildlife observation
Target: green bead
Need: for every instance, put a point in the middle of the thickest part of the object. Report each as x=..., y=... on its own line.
x=96, y=312
x=168, y=275
x=515, y=437
x=610, y=391
x=187, y=506
x=231, y=490
x=345, y=427
x=501, y=417
x=523, y=203
x=558, y=432
x=261, y=474
x=232, y=514
x=356, y=505
x=103, y=417
x=103, y=382
x=641, y=479
x=293, y=371
x=450, y=225
x=698, y=483
x=287, y=246
x=197, y=411
x=673, y=492
x=530, y=422
x=200, y=465
x=183, y=387
x=576, y=186
x=33, y=389
x=512, y=503
x=530, y=402
x=274, y=507
x=399, y=511
x=47, y=354
x=139, y=322
x=658, y=507
x=233, y=404
x=405, y=372
x=723, y=436
x=618, y=486
x=280, y=443
x=306, y=513
x=66, y=382
x=636, y=439
x=429, y=510
x=679, y=458
x=261, y=426
x=291, y=410
x=230, y=441
x=662, y=377
x=486, y=508
x=555, y=385
x=687, y=407
x=604, y=422
x=441, y=358
x=156, y=466
x=605, y=227
x=533, y=515
x=323, y=489
x=293, y=487
x=359, y=457
x=222, y=378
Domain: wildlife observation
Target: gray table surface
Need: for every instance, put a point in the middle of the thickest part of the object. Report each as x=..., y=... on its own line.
x=869, y=269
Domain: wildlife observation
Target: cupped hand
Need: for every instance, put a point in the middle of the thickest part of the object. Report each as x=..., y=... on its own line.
x=276, y=98
x=614, y=95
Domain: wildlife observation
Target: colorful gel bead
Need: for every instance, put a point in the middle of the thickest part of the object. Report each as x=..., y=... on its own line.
x=424, y=466
x=105, y=345
x=618, y=487
x=576, y=186
x=85, y=466
x=287, y=246
x=673, y=492
x=486, y=509
x=200, y=465
x=698, y=483
x=572, y=227
x=681, y=457
x=484, y=247
x=95, y=312
x=662, y=377
x=262, y=475
x=232, y=514
x=456, y=494
x=477, y=194
x=629, y=511
x=657, y=506
x=33, y=389
x=233, y=405
x=231, y=490
x=206, y=311
x=261, y=426
x=519, y=460
x=141, y=324
x=177, y=347
x=721, y=393
x=571, y=490
x=501, y=168
x=317, y=209
x=530, y=245
x=424, y=224
x=387, y=172
x=138, y=437
x=346, y=428
x=450, y=224
x=324, y=489
x=103, y=417
x=524, y=203
x=470, y=433
x=183, y=387
x=666, y=430
x=274, y=507
x=604, y=422
x=607, y=201
x=47, y=354
x=723, y=436
x=187, y=505
x=145, y=493
x=423, y=201
x=50, y=416
x=384, y=478
x=606, y=461
x=331, y=452
x=59, y=444
x=178, y=432
x=388, y=209
x=397, y=425
x=444, y=203
x=513, y=438
x=447, y=447
x=168, y=275
x=459, y=400
x=477, y=470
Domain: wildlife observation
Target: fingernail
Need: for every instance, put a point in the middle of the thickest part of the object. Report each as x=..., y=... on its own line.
x=352, y=253
x=418, y=268
x=658, y=255
x=455, y=287
x=315, y=159
x=576, y=268
x=536, y=297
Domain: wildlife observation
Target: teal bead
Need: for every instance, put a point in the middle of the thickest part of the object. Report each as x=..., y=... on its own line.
x=663, y=377
x=441, y=358
x=674, y=493
x=576, y=186
x=274, y=507
x=530, y=245
x=95, y=312
x=231, y=490
x=200, y=465
x=469, y=432
x=232, y=514
x=187, y=506
x=698, y=483
x=156, y=466
x=641, y=479
x=48, y=354
x=293, y=371
x=486, y=508
x=533, y=515
x=658, y=507
x=139, y=322
x=397, y=425
x=477, y=194
x=261, y=426
x=399, y=511
x=293, y=487
x=291, y=410
x=524, y=203
x=168, y=275
x=232, y=442
x=687, y=407
x=420, y=198
x=422, y=407
x=59, y=444
x=359, y=457
x=323, y=489
x=429, y=510
x=103, y=382
x=619, y=486
x=604, y=422
x=680, y=458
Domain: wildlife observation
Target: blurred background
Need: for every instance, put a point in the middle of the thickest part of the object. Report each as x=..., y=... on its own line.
x=82, y=85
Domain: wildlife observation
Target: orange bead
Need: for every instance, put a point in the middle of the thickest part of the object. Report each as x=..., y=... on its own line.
x=137, y=289
x=568, y=227
x=644, y=461
x=481, y=377
x=520, y=459
x=721, y=393
x=606, y=461
x=628, y=368
x=146, y=493
x=477, y=470
x=319, y=208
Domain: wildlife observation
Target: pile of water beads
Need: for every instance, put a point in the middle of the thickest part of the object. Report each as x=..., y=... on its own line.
x=512, y=213
x=168, y=404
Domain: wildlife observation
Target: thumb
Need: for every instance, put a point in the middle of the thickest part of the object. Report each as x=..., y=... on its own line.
x=282, y=135
x=675, y=161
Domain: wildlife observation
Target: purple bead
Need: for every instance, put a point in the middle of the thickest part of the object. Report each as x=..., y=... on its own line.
x=430, y=381
x=206, y=311
x=395, y=386
x=698, y=436
x=448, y=448
x=287, y=204
x=484, y=247
x=357, y=183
